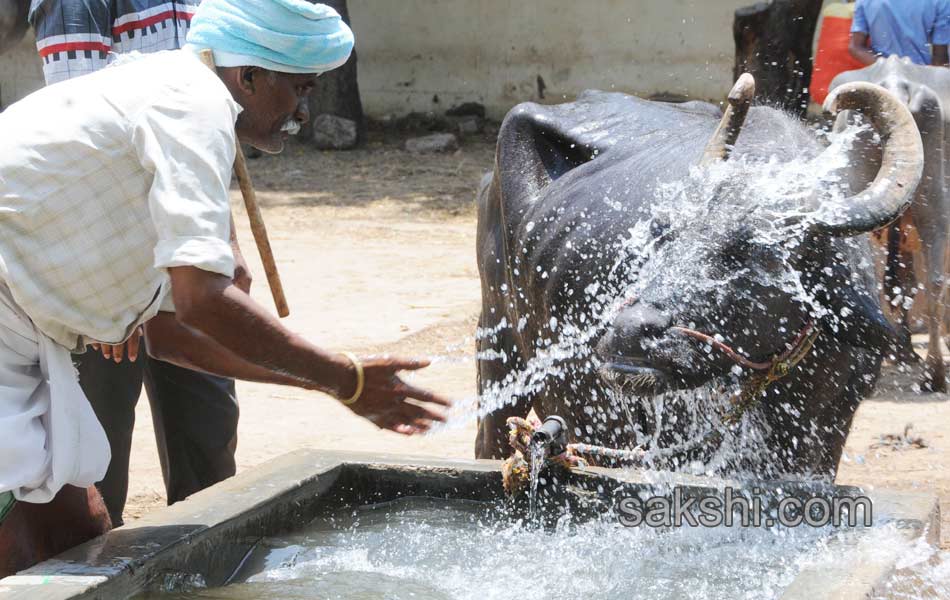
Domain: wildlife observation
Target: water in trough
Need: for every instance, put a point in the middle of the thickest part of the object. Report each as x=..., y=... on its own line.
x=428, y=549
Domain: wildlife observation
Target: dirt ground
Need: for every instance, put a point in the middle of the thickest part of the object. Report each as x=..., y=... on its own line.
x=376, y=249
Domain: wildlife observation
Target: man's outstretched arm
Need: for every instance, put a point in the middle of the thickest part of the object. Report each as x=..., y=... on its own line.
x=170, y=341
x=259, y=347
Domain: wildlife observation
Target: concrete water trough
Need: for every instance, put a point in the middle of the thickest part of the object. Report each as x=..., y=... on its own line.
x=209, y=537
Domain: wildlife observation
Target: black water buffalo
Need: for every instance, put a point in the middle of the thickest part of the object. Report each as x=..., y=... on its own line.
x=924, y=90
x=653, y=293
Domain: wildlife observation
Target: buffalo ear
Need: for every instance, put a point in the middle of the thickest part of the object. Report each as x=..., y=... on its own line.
x=536, y=146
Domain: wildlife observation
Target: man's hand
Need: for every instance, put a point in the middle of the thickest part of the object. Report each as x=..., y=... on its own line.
x=117, y=352
x=242, y=274
x=385, y=397
x=244, y=341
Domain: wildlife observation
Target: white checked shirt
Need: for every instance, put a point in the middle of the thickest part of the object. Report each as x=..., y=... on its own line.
x=105, y=182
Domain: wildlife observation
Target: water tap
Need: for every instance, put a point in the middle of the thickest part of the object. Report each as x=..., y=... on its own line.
x=551, y=436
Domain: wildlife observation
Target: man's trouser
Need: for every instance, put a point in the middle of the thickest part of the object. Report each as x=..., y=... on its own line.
x=195, y=416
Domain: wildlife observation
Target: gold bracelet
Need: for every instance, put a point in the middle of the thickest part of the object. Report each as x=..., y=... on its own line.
x=360, y=378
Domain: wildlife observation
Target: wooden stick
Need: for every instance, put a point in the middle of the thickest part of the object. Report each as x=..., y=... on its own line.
x=254, y=216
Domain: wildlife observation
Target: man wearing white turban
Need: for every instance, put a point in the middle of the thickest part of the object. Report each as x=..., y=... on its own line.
x=194, y=414
x=152, y=141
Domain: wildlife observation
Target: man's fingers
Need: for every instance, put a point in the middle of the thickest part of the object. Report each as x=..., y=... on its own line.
x=398, y=424
x=416, y=393
x=404, y=420
x=414, y=411
x=403, y=428
x=408, y=364
x=117, y=352
x=422, y=425
x=106, y=350
x=132, y=347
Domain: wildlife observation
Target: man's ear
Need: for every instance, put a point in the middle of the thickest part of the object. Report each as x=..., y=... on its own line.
x=246, y=78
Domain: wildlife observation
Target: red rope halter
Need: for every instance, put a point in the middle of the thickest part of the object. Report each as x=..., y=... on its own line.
x=792, y=349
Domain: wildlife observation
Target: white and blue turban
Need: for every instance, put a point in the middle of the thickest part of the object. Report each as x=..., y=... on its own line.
x=290, y=36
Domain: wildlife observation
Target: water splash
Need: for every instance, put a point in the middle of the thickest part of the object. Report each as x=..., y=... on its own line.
x=775, y=200
x=433, y=549
x=536, y=461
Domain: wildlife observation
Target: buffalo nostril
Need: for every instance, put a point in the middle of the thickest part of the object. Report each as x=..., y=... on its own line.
x=644, y=320
x=652, y=330
x=632, y=327
x=607, y=344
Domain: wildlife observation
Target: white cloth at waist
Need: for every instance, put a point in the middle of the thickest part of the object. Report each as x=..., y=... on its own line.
x=49, y=434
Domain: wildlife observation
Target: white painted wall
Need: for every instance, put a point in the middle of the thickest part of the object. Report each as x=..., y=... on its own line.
x=21, y=71
x=493, y=51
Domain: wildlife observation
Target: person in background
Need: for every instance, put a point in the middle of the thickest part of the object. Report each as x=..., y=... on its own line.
x=915, y=29
x=195, y=415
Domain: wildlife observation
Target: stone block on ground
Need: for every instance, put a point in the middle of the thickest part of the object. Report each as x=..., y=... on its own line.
x=470, y=125
x=437, y=142
x=334, y=133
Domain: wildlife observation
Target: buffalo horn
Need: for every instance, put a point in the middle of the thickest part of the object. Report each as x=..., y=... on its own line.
x=902, y=162
x=740, y=98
